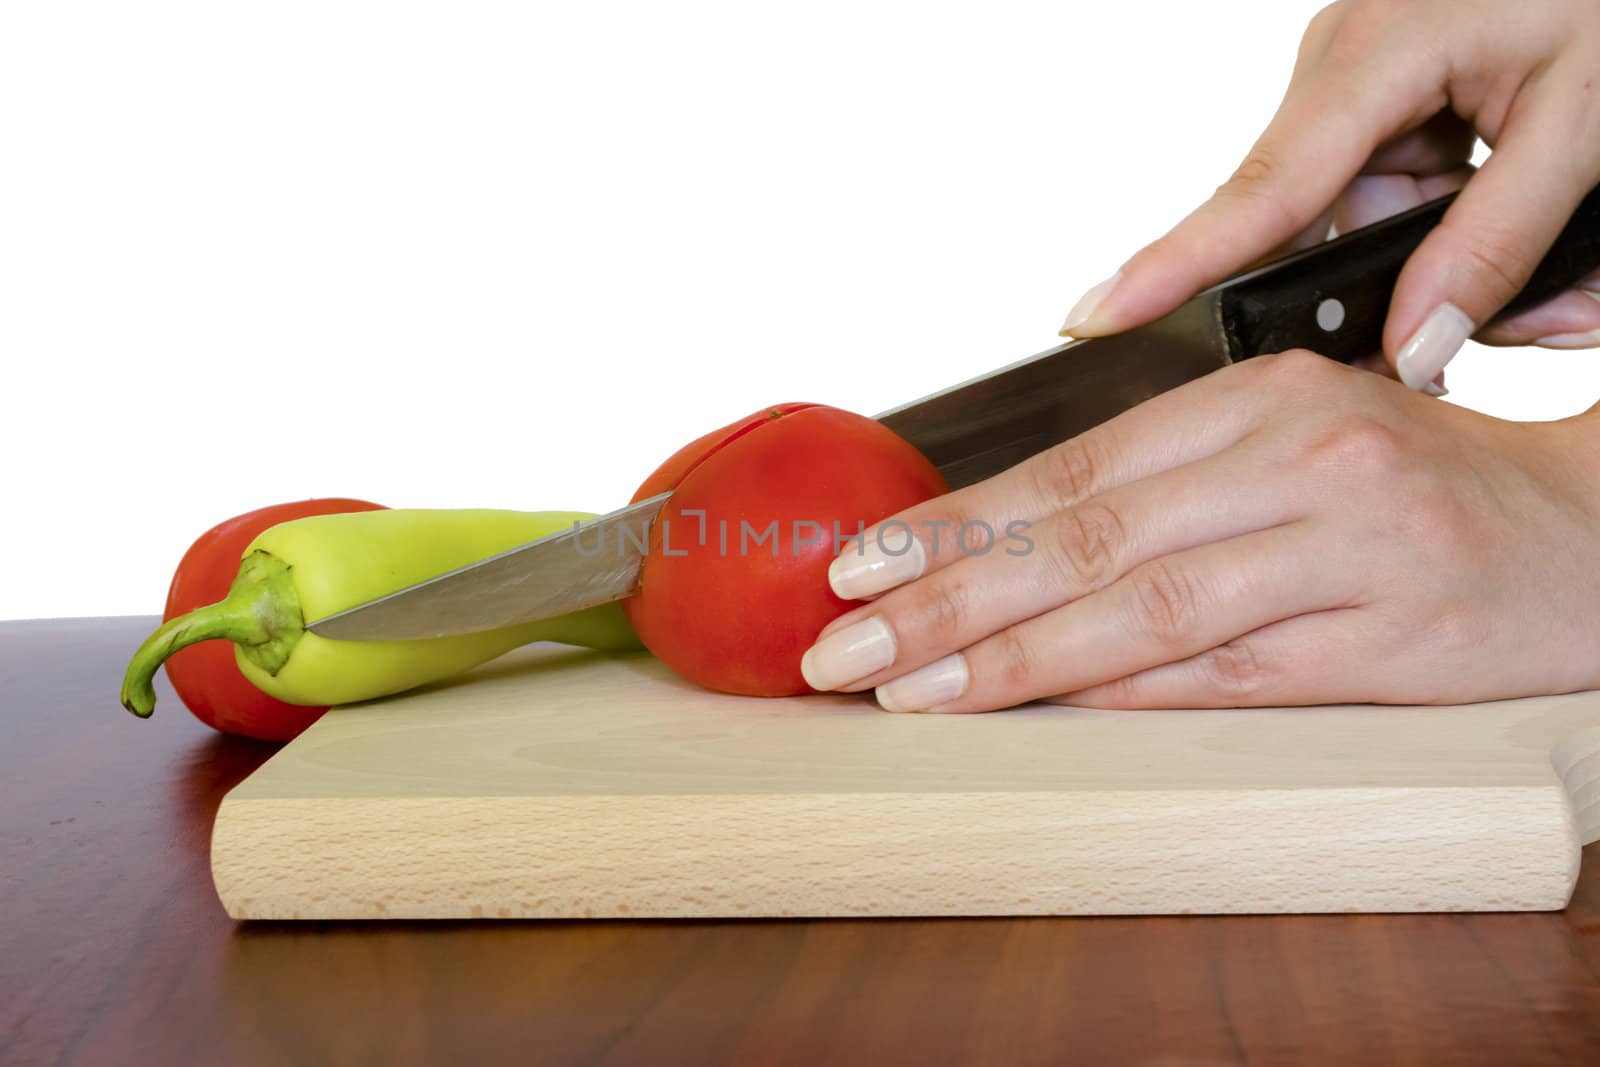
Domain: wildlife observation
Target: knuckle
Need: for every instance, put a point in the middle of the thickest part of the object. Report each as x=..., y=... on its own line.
x=1357, y=445
x=1463, y=623
x=940, y=613
x=1018, y=660
x=1125, y=692
x=1090, y=546
x=1259, y=168
x=1260, y=182
x=1235, y=671
x=1069, y=472
x=1327, y=17
x=1166, y=602
x=1359, y=25
x=1292, y=371
x=1448, y=527
x=1501, y=262
x=941, y=535
x=1461, y=530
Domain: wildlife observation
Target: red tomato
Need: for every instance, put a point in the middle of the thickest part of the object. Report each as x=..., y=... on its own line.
x=734, y=610
x=206, y=676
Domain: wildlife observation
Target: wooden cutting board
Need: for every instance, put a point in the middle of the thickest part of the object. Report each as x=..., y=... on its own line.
x=562, y=784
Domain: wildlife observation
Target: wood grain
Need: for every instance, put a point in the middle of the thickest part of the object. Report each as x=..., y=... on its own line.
x=569, y=784
x=114, y=949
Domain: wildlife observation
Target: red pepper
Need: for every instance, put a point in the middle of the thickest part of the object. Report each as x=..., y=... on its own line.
x=206, y=676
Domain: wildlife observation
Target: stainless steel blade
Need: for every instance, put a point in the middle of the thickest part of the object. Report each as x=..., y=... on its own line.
x=970, y=431
x=981, y=427
x=592, y=563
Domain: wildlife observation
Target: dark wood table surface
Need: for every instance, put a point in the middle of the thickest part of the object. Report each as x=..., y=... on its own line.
x=114, y=949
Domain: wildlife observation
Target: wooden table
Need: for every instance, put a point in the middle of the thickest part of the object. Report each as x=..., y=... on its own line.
x=113, y=949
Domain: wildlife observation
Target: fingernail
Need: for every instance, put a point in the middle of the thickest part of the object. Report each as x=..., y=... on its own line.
x=937, y=684
x=1435, y=344
x=873, y=564
x=1436, y=387
x=1571, y=340
x=851, y=653
x=1087, y=303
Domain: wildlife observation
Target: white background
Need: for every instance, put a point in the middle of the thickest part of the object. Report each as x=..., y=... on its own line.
x=512, y=255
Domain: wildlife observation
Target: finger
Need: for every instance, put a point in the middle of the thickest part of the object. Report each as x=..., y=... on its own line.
x=1301, y=660
x=1376, y=194
x=1298, y=661
x=1374, y=197
x=1065, y=556
x=1571, y=320
x=1320, y=230
x=1162, y=611
x=1170, y=429
x=1485, y=249
x=1444, y=143
x=1329, y=123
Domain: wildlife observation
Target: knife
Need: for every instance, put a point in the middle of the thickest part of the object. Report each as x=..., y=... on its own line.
x=1332, y=298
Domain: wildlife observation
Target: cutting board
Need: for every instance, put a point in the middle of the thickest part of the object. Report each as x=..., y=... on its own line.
x=561, y=784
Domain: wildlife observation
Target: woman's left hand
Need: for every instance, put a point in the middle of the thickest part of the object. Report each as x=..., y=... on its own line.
x=1284, y=531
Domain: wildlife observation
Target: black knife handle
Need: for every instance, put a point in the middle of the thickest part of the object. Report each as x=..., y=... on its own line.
x=1334, y=298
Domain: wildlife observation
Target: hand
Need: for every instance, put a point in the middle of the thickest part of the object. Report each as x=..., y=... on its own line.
x=1287, y=530
x=1380, y=115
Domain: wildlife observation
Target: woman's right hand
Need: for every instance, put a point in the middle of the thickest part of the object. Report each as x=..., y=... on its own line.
x=1382, y=113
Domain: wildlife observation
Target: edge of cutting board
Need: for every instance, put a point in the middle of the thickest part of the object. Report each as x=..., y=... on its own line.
x=555, y=785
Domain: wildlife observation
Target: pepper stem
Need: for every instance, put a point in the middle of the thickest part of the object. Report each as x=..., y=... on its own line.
x=261, y=613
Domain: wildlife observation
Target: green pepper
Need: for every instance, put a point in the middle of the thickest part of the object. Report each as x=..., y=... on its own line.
x=308, y=568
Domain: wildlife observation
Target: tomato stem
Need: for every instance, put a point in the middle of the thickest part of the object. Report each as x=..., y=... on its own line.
x=260, y=614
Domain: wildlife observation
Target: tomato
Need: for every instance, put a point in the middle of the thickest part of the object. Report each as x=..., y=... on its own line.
x=734, y=584
x=206, y=676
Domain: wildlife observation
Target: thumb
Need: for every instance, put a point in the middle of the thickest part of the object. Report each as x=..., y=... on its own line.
x=1488, y=244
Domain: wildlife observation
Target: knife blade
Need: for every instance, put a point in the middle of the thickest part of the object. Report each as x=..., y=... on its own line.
x=589, y=564
x=1332, y=298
